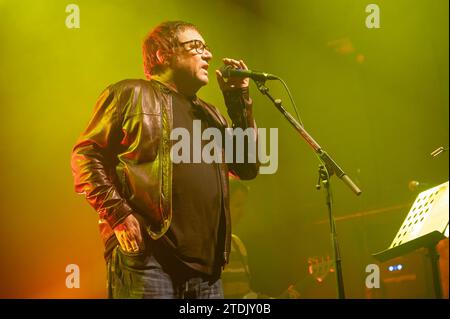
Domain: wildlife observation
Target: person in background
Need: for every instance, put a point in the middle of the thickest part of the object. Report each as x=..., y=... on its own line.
x=236, y=278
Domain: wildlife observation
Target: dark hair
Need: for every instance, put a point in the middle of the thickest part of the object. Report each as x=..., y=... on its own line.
x=237, y=185
x=163, y=37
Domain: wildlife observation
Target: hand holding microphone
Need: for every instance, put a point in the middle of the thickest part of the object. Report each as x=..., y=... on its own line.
x=228, y=71
x=237, y=75
x=227, y=82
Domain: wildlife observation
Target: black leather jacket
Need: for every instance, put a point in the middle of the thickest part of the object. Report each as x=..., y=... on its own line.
x=122, y=160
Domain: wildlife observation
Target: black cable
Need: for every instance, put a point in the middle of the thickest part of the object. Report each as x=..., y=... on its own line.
x=292, y=100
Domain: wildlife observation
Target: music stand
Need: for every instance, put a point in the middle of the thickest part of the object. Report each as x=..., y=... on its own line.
x=423, y=227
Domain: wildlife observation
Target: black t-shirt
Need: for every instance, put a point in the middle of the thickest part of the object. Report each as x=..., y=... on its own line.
x=196, y=234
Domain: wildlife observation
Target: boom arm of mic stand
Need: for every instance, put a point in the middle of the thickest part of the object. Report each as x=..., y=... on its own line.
x=331, y=165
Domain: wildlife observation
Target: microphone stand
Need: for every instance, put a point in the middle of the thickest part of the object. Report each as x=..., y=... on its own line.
x=327, y=168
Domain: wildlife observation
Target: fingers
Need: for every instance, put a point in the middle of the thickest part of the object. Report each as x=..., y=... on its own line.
x=129, y=236
x=220, y=79
x=124, y=240
x=234, y=63
x=243, y=65
x=232, y=82
x=127, y=241
x=131, y=242
x=219, y=76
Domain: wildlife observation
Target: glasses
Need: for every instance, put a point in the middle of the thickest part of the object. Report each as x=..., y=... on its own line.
x=198, y=45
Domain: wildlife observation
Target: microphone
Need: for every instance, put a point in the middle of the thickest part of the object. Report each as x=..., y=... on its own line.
x=228, y=72
x=415, y=185
x=438, y=151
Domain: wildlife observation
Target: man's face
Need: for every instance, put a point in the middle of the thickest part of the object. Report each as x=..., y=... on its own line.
x=188, y=64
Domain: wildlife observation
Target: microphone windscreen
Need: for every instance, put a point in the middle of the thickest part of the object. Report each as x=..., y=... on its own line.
x=413, y=185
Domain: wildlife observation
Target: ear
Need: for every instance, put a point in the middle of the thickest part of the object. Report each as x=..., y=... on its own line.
x=160, y=56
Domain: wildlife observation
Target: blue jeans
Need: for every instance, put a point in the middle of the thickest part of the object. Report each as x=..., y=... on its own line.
x=141, y=276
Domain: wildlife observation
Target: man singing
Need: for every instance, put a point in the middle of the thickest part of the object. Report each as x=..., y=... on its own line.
x=165, y=225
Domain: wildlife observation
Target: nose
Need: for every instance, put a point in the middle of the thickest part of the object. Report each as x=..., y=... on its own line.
x=207, y=55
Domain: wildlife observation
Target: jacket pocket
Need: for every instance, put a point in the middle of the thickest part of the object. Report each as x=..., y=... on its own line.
x=134, y=262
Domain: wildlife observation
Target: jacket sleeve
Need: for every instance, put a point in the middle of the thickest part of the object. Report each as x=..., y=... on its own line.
x=93, y=158
x=240, y=109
